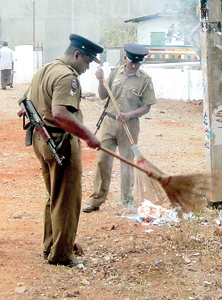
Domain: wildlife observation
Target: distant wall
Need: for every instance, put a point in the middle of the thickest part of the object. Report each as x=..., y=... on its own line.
x=23, y=65
x=56, y=20
x=27, y=62
x=175, y=84
x=179, y=84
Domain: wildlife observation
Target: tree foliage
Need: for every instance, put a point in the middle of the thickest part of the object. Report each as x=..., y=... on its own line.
x=117, y=36
x=188, y=17
x=188, y=29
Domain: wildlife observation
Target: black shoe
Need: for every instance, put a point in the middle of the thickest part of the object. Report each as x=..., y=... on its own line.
x=215, y=205
x=45, y=254
x=68, y=263
x=78, y=250
x=89, y=208
x=11, y=86
x=4, y=88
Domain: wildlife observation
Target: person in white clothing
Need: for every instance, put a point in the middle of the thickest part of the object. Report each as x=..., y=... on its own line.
x=6, y=66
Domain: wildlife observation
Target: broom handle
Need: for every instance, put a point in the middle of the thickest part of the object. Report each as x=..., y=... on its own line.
x=152, y=174
x=118, y=111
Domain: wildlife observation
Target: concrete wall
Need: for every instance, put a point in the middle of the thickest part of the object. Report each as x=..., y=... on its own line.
x=175, y=84
x=23, y=66
x=27, y=62
x=179, y=84
x=55, y=20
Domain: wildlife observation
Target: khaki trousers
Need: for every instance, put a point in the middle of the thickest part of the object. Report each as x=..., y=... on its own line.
x=64, y=187
x=112, y=135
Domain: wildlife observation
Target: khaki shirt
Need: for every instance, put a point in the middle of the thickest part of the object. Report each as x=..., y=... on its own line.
x=131, y=91
x=56, y=83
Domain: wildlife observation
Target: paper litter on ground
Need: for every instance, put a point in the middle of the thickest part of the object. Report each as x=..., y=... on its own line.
x=157, y=214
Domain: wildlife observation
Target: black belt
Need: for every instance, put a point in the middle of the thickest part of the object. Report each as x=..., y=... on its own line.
x=55, y=129
x=110, y=115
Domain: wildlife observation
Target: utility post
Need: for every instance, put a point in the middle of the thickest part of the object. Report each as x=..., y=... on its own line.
x=33, y=27
x=211, y=61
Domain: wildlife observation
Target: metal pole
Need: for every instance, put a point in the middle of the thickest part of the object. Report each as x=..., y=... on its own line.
x=34, y=24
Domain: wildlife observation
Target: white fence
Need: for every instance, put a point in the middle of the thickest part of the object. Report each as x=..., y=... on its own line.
x=176, y=84
x=26, y=63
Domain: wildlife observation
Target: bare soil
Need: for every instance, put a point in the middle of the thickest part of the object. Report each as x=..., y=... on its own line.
x=121, y=260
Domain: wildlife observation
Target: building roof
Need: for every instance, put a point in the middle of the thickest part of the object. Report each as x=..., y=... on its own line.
x=168, y=13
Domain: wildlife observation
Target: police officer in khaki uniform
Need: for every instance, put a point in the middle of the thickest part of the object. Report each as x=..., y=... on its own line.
x=56, y=94
x=134, y=94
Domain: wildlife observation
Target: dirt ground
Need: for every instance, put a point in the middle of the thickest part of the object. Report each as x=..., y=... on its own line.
x=121, y=259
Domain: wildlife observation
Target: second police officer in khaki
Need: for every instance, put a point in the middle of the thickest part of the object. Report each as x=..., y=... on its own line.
x=134, y=94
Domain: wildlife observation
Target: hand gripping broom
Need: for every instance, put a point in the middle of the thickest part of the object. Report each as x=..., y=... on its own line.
x=188, y=192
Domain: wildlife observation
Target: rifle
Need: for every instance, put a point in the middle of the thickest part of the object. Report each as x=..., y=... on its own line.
x=103, y=114
x=36, y=122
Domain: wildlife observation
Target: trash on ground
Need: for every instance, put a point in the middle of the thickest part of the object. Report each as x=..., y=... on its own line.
x=206, y=282
x=152, y=214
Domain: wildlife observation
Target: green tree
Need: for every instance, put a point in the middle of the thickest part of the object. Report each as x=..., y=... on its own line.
x=117, y=36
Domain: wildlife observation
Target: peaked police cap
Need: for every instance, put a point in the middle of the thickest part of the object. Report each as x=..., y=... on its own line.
x=86, y=46
x=135, y=53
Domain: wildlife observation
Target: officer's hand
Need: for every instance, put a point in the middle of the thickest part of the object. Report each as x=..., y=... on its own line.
x=99, y=74
x=123, y=117
x=21, y=112
x=93, y=142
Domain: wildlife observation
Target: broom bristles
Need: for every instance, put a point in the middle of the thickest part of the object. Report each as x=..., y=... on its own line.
x=186, y=193
x=189, y=192
x=145, y=186
x=148, y=188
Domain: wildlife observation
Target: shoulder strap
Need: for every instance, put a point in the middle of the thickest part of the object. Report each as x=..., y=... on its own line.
x=113, y=77
x=25, y=95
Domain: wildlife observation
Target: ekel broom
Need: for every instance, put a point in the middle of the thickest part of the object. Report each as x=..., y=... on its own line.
x=146, y=187
x=187, y=193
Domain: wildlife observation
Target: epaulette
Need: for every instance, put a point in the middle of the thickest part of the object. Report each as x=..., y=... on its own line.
x=72, y=69
x=145, y=73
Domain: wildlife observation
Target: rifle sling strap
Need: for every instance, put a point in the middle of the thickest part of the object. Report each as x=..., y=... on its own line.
x=25, y=95
x=110, y=115
x=111, y=79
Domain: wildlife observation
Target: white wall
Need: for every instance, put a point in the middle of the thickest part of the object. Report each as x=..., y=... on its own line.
x=27, y=62
x=177, y=84
x=23, y=66
x=88, y=80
